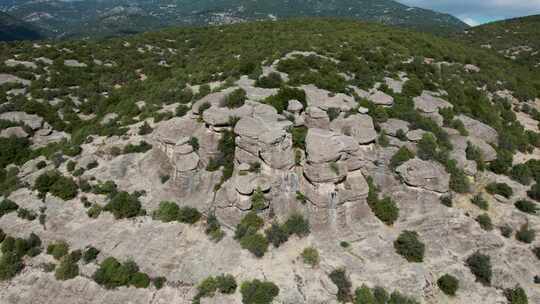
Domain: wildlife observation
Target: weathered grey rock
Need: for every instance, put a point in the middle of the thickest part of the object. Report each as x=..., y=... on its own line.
x=252, y=92
x=359, y=126
x=331, y=172
x=479, y=129
x=74, y=63
x=363, y=110
x=8, y=78
x=14, y=132
x=323, y=146
x=355, y=188
x=392, y=126
x=247, y=184
x=459, y=143
x=33, y=121
x=14, y=63
x=427, y=103
x=316, y=118
x=323, y=99
x=424, y=174
x=415, y=135
x=380, y=98
x=394, y=85
x=295, y=106
x=213, y=99
x=108, y=118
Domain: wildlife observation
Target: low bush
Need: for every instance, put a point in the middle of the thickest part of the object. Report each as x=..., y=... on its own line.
x=235, y=99
x=112, y=274
x=526, y=206
x=67, y=269
x=506, y=231
x=534, y=192
x=448, y=284
x=124, y=205
x=386, y=209
x=522, y=174
x=364, y=295
x=516, y=295
x=310, y=256
x=298, y=225
x=485, y=222
x=273, y=80
x=500, y=188
x=525, y=234
x=58, y=185
x=276, y=235
x=139, y=280
x=213, y=228
x=410, y=247
x=340, y=279
x=7, y=206
x=258, y=292
x=446, y=200
x=58, y=250
x=90, y=254
x=142, y=147
x=479, y=201
x=255, y=243
x=400, y=157
x=480, y=266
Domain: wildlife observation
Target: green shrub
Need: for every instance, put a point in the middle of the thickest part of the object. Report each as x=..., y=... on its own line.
x=446, y=200
x=479, y=201
x=506, y=231
x=276, y=235
x=124, y=205
x=145, y=129
x=525, y=235
x=142, y=147
x=400, y=157
x=534, y=192
x=339, y=278
x=299, y=137
x=280, y=101
x=485, y=222
x=458, y=181
x=94, y=211
x=139, y=280
x=236, y=99
x=67, y=269
x=10, y=265
x=410, y=247
x=258, y=201
x=522, y=174
x=188, y=215
x=364, y=295
x=166, y=212
x=258, y=292
x=500, y=188
x=14, y=151
x=207, y=288
x=480, y=266
x=310, y=256
x=386, y=210
x=474, y=153
x=516, y=295
x=333, y=113
x=536, y=251
x=159, y=282
x=448, y=284
x=526, y=206
x=58, y=250
x=213, y=228
x=297, y=224
x=90, y=254
x=250, y=223
x=255, y=243
x=273, y=80
x=7, y=206
x=226, y=283
x=381, y=295
x=398, y=298
x=427, y=147
x=58, y=185
x=26, y=214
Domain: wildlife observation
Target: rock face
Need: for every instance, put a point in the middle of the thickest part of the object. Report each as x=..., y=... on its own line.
x=380, y=98
x=424, y=174
x=479, y=129
x=33, y=121
x=324, y=100
x=14, y=132
x=358, y=126
x=392, y=126
x=427, y=103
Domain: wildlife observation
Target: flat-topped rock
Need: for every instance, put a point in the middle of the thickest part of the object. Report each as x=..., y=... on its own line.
x=8, y=78
x=423, y=174
x=392, y=126
x=324, y=99
x=33, y=121
x=359, y=126
x=479, y=129
x=381, y=98
x=316, y=118
x=324, y=146
x=295, y=106
x=15, y=63
x=14, y=132
x=416, y=135
x=72, y=63
x=428, y=103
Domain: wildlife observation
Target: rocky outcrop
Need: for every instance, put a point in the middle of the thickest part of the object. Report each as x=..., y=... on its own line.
x=358, y=126
x=392, y=126
x=14, y=132
x=380, y=98
x=324, y=100
x=479, y=129
x=316, y=118
x=427, y=103
x=33, y=121
x=427, y=175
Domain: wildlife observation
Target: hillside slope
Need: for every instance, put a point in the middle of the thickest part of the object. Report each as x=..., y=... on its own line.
x=105, y=18
x=517, y=39
x=12, y=29
x=302, y=161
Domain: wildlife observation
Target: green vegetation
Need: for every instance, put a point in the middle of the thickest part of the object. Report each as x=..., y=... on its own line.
x=225, y=284
x=112, y=274
x=124, y=205
x=386, y=209
x=480, y=265
x=142, y=147
x=448, y=284
x=410, y=247
x=213, y=228
x=525, y=234
x=12, y=252
x=7, y=206
x=340, y=279
x=310, y=256
x=58, y=185
x=58, y=250
x=485, y=222
x=225, y=158
x=90, y=254
x=526, y=206
x=479, y=201
x=273, y=80
x=236, y=99
x=258, y=292
x=169, y=211
x=280, y=101
x=447, y=200
x=500, y=189
x=516, y=295
x=401, y=156
x=68, y=268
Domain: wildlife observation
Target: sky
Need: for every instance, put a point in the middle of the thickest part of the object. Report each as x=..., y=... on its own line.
x=474, y=12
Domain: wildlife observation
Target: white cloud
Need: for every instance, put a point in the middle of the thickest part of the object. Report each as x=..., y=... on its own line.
x=480, y=10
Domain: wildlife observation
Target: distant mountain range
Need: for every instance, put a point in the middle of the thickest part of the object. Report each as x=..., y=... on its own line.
x=12, y=29
x=80, y=18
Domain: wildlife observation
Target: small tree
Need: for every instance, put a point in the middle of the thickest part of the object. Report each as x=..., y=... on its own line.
x=297, y=224
x=339, y=277
x=485, y=222
x=500, y=188
x=525, y=234
x=526, y=206
x=124, y=205
x=364, y=295
x=310, y=256
x=67, y=269
x=276, y=235
x=427, y=147
x=256, y=243
x=448, y=284
x=479, y=201
x=258, y=292
x=516, y=295
x=410, y=247
x=401, y=156
x=480, y=266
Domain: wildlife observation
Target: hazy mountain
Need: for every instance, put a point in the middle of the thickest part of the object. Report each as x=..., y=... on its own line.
x=102, y=18
x=14, y=29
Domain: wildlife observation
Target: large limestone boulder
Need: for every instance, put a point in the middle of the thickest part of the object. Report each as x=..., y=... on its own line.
x=213, y=99
x=323, y=146
x=392, y=126
x=323, y=99
x=427, y=103
x=479, y=129
x=33, y=121
x=380, y=98
x=359, y=126
x=14, y=132
x=316, y=118
x=423, y=174
x=8, y=78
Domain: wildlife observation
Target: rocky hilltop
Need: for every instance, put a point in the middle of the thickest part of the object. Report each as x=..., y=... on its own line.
x=306, y=161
